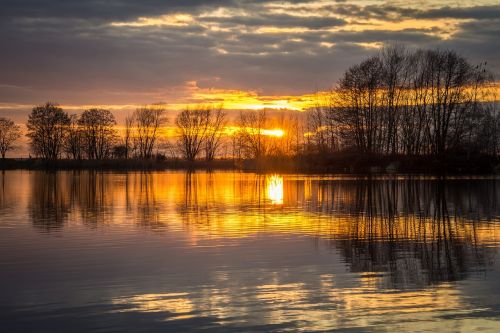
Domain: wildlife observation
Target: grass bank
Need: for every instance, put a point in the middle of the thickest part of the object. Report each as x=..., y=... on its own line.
x=347, y=163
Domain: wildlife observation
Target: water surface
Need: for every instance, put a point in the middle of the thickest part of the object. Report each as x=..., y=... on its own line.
x=223, y=252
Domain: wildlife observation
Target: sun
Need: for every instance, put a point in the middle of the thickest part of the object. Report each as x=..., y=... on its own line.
x=273, y=132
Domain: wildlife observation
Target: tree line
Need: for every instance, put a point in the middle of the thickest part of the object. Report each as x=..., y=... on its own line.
x=405, y=102
x=94, y=134
x=200, y=131
x=399, y=102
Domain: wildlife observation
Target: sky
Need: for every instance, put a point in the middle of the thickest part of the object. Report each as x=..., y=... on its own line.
x=247, y=54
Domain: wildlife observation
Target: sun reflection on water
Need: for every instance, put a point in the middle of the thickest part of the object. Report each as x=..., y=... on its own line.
x=177, y=304
x=274, y=185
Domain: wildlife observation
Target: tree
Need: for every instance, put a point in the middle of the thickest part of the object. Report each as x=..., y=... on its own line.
x=214, y=134
x=454, y=83
x=394, y=82
x=413, y=103
x=127, y=138
x=9, y=133
x=148, y=121
x=192, y=127
x=357, y=106
x=74, y=142
x=291, y=139
x=323, y=132
x=98, y=132
x=119, y=151
x=200, y=129
x=252, y=124
x=47, y=128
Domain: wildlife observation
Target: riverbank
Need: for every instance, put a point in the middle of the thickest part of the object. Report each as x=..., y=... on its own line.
x=347, y=163
x=113, y=164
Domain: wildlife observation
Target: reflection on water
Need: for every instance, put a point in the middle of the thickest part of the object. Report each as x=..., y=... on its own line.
x=274, y=184
x=248, y=252
x=176, y=303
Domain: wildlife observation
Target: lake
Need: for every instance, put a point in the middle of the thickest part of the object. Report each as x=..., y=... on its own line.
x=242, y=252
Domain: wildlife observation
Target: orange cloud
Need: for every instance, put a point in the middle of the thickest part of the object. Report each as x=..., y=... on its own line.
x=233, y=99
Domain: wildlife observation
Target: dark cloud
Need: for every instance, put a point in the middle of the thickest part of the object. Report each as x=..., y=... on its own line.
x=313, y=22
x=395, y=13
x=411, y=37
x=98, y=9
x=116, y=9
x=381, y=12
x=473, y=12
x=69, y=50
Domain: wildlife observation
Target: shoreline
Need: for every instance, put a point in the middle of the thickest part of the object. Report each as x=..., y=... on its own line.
x=348, y=164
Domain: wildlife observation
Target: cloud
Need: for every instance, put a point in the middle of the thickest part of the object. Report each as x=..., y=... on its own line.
x=129, y=52
x=476, y=12
x=278, y=20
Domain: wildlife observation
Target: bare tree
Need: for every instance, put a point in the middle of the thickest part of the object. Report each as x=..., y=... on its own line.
x=74, y=143
x=394, y=83
x=252, y=125
x=148, y=121
x=192, y=127
x=401, y=102
x=414, y=120
x=9, y=133
x=98, y=132
x=358, y=110
x=323, y=133
x=290, y=141
x=216, y=123
x=127, y=139
x=47, y=128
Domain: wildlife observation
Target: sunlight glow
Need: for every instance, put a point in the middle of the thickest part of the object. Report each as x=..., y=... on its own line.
x=274, y=132
x=232, y=130
x=175, y=303
x=177, y=20
x=274, y=185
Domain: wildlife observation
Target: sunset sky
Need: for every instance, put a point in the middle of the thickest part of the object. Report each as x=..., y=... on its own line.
x=246, y=54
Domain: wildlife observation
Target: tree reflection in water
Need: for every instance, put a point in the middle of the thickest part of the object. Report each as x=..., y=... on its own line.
x=50, y=203
x=420, y=231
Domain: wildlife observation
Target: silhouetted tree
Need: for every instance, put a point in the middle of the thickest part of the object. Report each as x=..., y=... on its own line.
x=148, y=121
x=47, y=129
x=74, y=143
x=98, y=132
x=9, y=133
x=216, y=123
x=402, y=102
x=127, y=139
x=290, y=142
x=252, y=125
x=120, y=151
x=192, y=128
x=359, y=111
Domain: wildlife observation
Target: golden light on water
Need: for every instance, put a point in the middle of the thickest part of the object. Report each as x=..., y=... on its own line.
x=274, y=185
x=177, y=304
x=181, y=200
x=218, y=215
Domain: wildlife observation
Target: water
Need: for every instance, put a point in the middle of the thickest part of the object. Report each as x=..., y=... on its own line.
x=221, y=252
